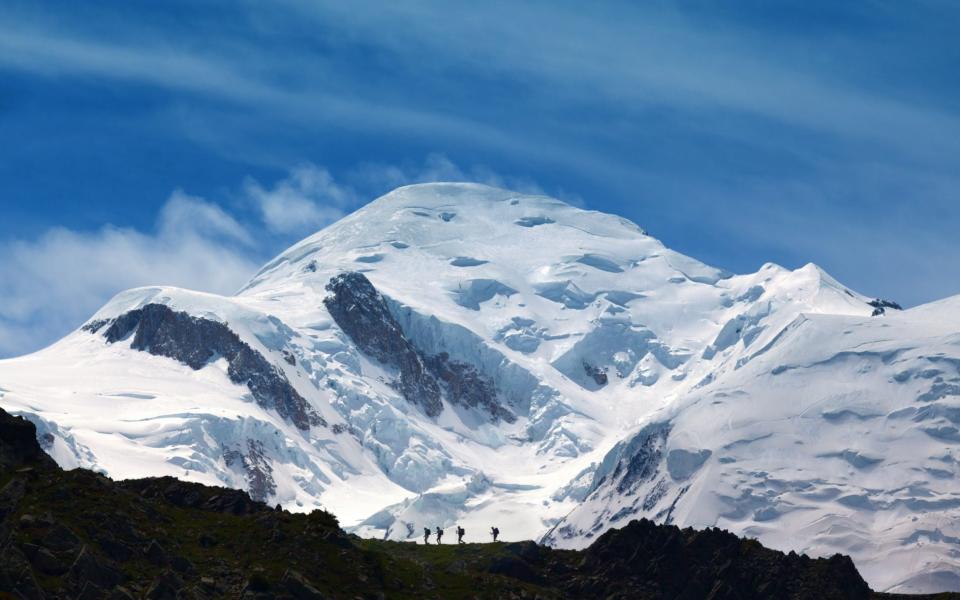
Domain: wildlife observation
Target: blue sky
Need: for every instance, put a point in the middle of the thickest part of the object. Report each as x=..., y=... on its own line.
x=186, y=142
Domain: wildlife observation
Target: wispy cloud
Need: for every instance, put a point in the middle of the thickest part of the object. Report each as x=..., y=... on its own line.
x=737, y=133
x=53, y=283
x=623, y=60
x=306, y=200
x=639, y=59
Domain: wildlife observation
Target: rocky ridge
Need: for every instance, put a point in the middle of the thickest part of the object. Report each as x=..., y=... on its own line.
x=77, y=534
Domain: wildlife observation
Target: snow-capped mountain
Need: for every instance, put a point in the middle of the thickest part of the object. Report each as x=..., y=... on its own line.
x=455, y=353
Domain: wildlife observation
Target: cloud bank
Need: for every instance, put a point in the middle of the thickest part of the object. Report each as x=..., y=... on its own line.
x=53, y=283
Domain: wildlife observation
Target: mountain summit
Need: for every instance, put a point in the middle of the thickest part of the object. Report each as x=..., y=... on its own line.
x=455, y=353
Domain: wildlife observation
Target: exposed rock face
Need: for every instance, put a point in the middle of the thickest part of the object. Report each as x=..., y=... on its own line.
x=467, y=387
x=634, y=461
x=18, y=443
x=195, y=341
x=256, y=467
x=596, y=373
x=880, y=306
x=363, y=314
x=634, y=472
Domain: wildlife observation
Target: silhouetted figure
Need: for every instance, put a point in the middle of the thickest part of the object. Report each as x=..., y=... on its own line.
x=494, y=532
x=439, y=534
x=426, y=535
x=460, y=532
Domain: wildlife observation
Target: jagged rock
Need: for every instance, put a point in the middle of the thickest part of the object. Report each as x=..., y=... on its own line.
x=114, y=549
x=675, y=563
x=43, y=560
x=361, y=312
x=46, y=441
x=634, y=461
x=259, y=472
x=257, y=583
x=194, y=341
x=155, y=553
x=16, y=575
x=165, y=587
x=94, y=325
x=467, y=387
x=596, y=373
x=182, y=565
x=120, y=593
x=91, y=591
x=18, y=445
x=297, y=586
x=60, y=539
x=515, y=568
x=10, y=495
x=194, y=495
x=89, y=568
x=880, y=306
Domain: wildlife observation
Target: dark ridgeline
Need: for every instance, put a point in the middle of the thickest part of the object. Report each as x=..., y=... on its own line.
x=77, y=534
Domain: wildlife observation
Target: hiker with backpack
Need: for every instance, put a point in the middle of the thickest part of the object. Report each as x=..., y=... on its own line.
x=460, y=532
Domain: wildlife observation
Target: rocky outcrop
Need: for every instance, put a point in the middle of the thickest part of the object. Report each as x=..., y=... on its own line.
x=195, y=341
x=19, y=444
x=256, y=467
x=465, y=386
x=880, y=306
x=640, y=459
x=657, y=561
x=424, y=379
x=361, y=312
x=598, y=375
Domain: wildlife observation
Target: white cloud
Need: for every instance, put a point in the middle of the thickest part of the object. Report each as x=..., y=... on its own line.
x=185, y=216
x=310, y=198
x=53, y=283
x=438, y=167
x=381, y=178
x=307, y=200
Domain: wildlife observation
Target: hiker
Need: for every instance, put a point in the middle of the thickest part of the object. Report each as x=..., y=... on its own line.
x=439, y=534
x=494, y=532
x=426, y=535
x=460, y=532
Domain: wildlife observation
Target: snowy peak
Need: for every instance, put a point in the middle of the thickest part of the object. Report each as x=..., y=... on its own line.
x=461, y=354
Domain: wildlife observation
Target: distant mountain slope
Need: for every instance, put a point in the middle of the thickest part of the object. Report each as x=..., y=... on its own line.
x=455, y=353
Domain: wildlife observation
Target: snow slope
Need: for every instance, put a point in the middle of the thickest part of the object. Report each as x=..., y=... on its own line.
x=587, y=375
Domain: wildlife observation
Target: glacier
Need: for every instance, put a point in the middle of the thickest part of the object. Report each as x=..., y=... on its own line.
x=460, y=354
